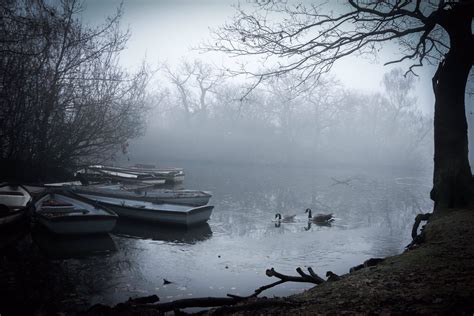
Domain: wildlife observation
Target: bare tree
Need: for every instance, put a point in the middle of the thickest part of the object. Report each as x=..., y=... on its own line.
x=64, y=99
x=194, y=81
x=309, y=39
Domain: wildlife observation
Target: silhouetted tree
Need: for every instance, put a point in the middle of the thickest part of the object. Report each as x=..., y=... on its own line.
x=64, y=99
x=194, y=82
x=309, y=39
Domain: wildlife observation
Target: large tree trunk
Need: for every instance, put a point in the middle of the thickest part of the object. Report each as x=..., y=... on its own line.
x=452, y=181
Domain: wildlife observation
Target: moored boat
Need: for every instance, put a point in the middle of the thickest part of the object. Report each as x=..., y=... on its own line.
x=101, y=173
x=171, y=175
x=63, y=213
x=142, y=173
x=157, y=212
x=14, y=200
x=186, y=197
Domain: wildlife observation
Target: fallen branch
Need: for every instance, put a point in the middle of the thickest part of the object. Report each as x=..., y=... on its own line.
x=195, y=302
x=313, y=278
x=142, y=303
x=143, y=300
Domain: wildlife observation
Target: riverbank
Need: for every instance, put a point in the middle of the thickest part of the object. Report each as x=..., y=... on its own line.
x=434, y=277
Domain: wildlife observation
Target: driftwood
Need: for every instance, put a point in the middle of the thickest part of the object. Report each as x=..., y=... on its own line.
x=143, y=303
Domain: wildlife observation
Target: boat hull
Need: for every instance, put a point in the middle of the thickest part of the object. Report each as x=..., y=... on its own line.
x=78, y=226
x=155, y=212
x=197, y=216
x=75, y=216
x=194, y=198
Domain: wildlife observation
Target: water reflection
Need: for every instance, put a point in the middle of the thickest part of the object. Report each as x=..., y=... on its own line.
x=10, y=234
x=156, y=231
x=373, y=218
x=68, y=247
x=321, y=224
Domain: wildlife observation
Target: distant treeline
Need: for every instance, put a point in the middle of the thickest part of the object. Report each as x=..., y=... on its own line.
x=202, y=116
x=64, y=99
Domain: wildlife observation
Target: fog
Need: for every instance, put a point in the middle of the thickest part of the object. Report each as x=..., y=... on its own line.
x=349, y=118
x=322, y=123
x=133, y=82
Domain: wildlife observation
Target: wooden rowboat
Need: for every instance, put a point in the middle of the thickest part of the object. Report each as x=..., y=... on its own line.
x=186, y=197
x=156, y=212
x=63, y=213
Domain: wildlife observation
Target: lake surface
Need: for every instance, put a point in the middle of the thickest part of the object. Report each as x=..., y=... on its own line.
x=374, y=213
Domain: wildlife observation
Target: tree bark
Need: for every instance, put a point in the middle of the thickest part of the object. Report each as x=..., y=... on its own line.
x=452, y=179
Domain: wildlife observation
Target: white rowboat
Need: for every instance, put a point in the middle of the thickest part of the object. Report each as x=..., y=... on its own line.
x=14, y=200
x=65, y=214
x=165, y=213
x=187, y=197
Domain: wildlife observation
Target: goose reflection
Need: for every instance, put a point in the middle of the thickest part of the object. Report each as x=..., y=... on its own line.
x=68, y=247
x=157, y=231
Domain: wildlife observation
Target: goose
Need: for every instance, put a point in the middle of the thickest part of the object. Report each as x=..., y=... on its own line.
x=319, y=218
x=285, y=218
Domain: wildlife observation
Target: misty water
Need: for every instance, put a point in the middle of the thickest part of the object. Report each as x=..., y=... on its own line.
x=374, y=212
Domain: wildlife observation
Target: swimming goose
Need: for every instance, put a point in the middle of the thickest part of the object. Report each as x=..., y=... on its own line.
x=286, y=218
x=319, y=218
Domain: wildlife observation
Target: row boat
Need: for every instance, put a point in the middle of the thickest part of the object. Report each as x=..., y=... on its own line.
x=156, y=212
x=173, y=175
x=14, y=200
x=100, y=173
x=62, y=213
x=145, y=175
x=187, y=197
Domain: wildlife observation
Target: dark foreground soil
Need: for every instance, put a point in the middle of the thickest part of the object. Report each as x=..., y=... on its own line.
x=435, y=277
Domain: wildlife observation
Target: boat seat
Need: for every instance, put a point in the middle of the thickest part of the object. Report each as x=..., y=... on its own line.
x=60, y=208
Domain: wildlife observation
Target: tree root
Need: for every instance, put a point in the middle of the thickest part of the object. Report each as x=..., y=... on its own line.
x=418, y=219
x=418, y=238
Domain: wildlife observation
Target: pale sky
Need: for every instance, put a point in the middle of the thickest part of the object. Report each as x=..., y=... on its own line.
x=166, y=30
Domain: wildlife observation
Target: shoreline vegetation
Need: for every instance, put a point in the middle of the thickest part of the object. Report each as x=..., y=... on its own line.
x=434, y=276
